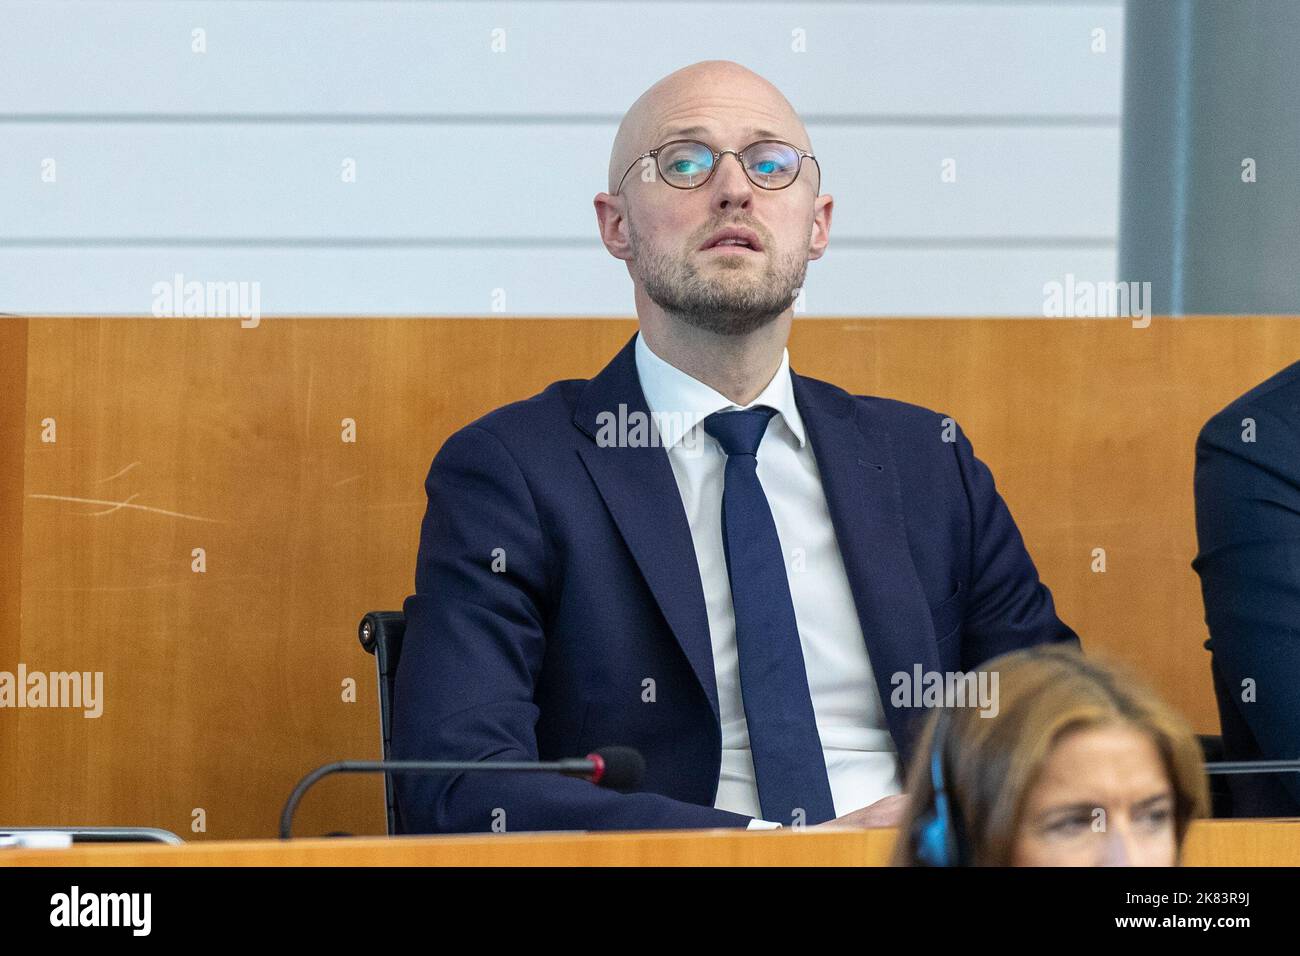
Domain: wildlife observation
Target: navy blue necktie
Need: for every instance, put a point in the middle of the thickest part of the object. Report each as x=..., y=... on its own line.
x=788, y=762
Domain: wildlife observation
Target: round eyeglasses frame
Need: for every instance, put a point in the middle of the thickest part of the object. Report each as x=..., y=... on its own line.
x=717, y=160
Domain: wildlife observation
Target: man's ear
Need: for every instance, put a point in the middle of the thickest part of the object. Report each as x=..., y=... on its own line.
x=820, y=210
x=611, y=222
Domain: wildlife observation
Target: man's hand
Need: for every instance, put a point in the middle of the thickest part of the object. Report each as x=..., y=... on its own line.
x=885, y=812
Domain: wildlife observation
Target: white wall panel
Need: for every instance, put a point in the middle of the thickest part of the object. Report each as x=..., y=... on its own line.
x=226, y=164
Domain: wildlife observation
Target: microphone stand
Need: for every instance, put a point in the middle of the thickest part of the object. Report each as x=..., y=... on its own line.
x=592, y=769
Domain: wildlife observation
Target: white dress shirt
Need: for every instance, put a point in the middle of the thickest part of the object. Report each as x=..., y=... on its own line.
x=861, y=759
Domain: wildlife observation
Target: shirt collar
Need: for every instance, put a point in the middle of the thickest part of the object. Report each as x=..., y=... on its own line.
x=679, y=402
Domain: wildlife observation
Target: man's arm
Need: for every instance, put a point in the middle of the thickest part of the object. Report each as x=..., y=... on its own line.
x=471, y=657
x=1008, y=607
x=1248, y=531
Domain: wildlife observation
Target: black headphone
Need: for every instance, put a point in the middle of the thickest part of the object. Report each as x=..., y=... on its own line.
x=938, y=835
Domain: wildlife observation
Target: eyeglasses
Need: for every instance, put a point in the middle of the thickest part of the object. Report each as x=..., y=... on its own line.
x=688, y=163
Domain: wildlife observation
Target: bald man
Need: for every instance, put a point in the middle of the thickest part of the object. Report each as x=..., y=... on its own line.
x=743, y=573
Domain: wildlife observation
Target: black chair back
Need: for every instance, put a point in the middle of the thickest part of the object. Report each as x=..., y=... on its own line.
x=381, y=634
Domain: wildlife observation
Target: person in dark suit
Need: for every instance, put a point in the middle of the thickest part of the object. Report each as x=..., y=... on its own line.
x=741, y=572
x=1247, y=488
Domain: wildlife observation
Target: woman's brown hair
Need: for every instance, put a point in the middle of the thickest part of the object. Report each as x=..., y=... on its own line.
x=991, y=763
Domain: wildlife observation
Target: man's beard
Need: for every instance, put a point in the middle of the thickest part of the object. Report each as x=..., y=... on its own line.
x=733, y=299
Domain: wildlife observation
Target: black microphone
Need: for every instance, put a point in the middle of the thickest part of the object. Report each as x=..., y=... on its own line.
x=618, y=768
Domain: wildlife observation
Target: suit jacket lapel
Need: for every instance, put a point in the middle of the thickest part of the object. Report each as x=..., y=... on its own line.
x=640, y=490
x=860, y=480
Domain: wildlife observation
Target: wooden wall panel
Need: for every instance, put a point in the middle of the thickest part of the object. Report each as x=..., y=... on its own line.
x=13, y=382
x=13, y=386
x=223, y=687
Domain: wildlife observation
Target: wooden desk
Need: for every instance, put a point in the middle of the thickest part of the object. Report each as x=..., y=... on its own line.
x=1211, y=843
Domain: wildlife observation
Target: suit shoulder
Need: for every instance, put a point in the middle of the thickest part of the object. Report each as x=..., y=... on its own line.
x=898, y=413
x=888, y=412
x=528, y=430
x=1278, y=395
x=536, y=416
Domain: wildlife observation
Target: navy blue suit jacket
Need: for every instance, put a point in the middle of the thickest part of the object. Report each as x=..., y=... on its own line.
x=596, y=591
x=1248, y=534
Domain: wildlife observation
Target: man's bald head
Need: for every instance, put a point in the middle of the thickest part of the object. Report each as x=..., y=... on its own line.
x=683, y=280
x=709, y=93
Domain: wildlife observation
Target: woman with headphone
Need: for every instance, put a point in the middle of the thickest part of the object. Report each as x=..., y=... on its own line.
x=1080, y=766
